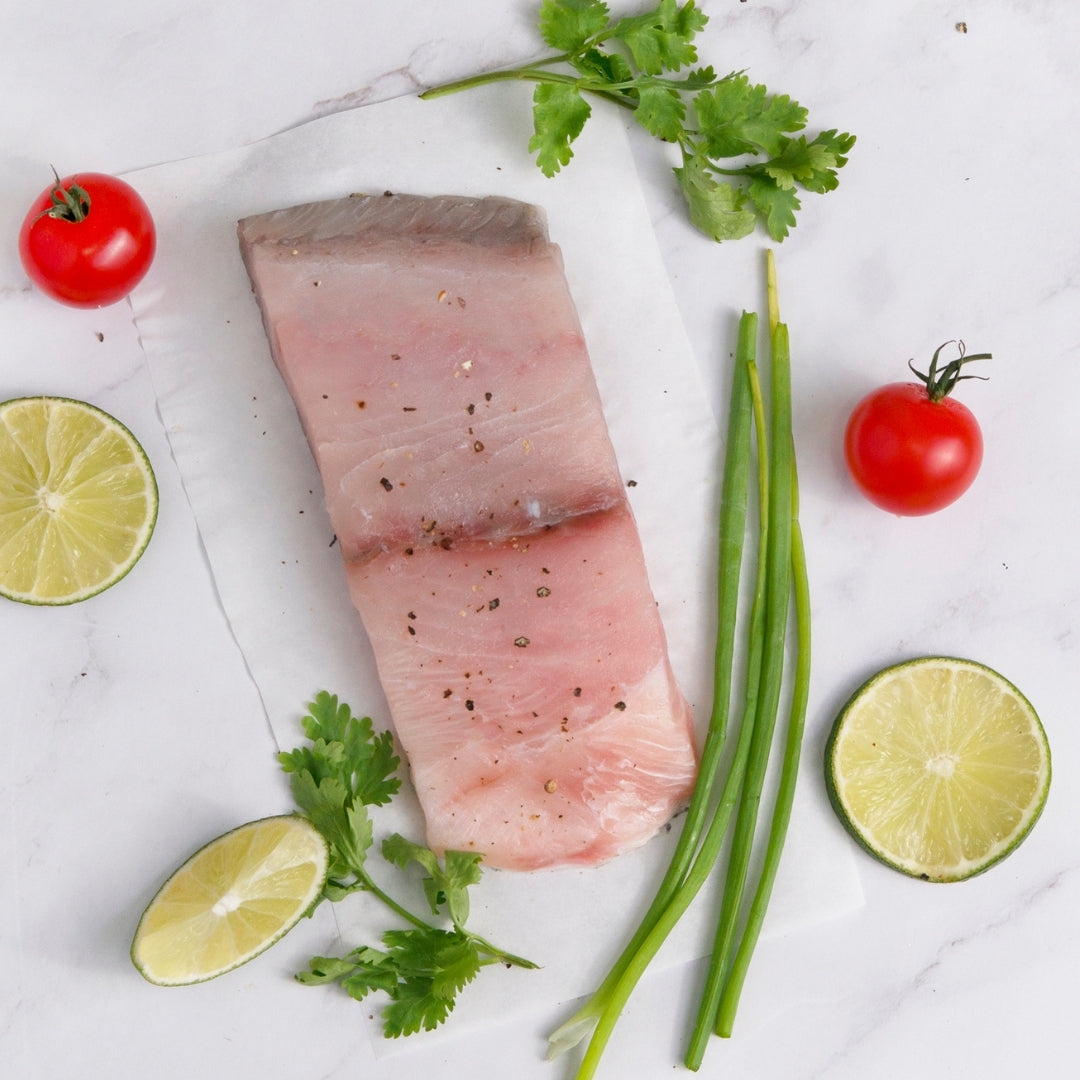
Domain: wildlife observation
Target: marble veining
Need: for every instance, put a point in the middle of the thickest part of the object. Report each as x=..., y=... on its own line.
x=944, y=971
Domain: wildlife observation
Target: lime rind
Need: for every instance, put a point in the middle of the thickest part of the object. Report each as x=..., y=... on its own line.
x=109, y=492
x=898, y=791
x=190, y=924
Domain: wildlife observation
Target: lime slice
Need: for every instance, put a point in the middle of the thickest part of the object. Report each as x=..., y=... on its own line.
x=231, y=901
x=78, y=500
x=939, y=767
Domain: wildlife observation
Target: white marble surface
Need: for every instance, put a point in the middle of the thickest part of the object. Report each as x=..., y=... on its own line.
x=133, y=724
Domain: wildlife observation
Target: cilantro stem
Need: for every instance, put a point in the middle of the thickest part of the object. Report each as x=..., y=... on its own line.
x=365, y=883
x=521, y=74
x=624, y=92
x=741, y=170
x=497, y=955
x=616, y=93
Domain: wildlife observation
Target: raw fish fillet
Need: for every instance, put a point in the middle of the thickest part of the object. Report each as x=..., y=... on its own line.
x=438, y=367
x=543, y=720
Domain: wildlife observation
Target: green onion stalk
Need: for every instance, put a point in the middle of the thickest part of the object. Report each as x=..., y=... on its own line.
x=603, y=1007
x=780, y=570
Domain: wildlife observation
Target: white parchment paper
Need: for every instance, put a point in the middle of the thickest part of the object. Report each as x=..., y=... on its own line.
x=257, y=498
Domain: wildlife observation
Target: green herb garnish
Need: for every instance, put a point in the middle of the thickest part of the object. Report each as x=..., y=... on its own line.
x=421, y=967
x=743, y=159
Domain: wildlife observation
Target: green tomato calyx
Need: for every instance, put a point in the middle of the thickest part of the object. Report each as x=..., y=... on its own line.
x=939, y=383
x=71, y=203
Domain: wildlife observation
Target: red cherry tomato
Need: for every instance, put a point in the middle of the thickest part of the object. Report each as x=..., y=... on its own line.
x=910, y=448
x=87, y=240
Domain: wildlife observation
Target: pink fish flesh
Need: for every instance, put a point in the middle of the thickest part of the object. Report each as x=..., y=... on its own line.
x=438, y=367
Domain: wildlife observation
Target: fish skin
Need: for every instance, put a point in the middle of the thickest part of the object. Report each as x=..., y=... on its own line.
x=439, y=370
x=430, y=220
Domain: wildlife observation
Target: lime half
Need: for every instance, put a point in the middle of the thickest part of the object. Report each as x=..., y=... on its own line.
x=231, y=901
x=78, y=500
x=939, y=767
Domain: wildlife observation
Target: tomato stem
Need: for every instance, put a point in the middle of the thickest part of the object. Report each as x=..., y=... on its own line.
x=68, y=204
x=939, y=384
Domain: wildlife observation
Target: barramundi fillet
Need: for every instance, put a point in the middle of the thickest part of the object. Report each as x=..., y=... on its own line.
x=438, y=367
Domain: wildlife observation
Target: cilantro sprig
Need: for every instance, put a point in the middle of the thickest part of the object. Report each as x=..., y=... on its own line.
x=744, y=158
x=346, y=768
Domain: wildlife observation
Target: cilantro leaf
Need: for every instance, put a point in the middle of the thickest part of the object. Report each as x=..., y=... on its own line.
x=445, y=885
x=457, y=964
x=460, y=870
x=346, y=747
x=661, y=40
x=831, y=149
x=433, y=966
x=736, y=117
x=661, y=111
x=344, y=823
x=717, y=209
x=421, y=971
x=810, y=164
x=637, y=62
x=401, y=852
x=775, y=204
x=700, y=78
x=414, y=1008
x=327, y=719
x=609, y=67
x=569, y=25
x=359, y=972
x=345, y=768
x=448, y=958
x=372, y=969
x=327, y=969
x=559, y=114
